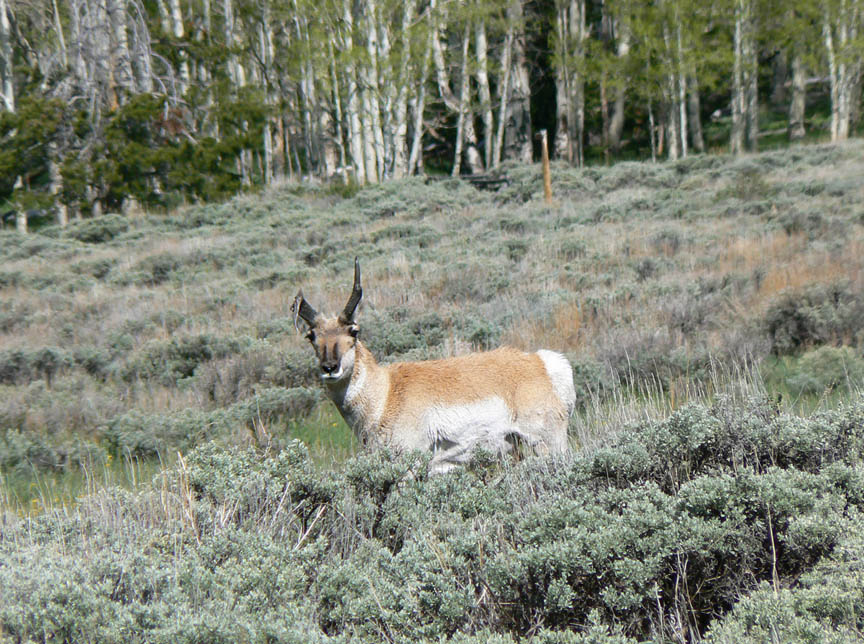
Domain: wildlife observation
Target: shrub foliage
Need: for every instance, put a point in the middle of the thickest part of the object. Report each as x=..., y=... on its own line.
x=726, y=521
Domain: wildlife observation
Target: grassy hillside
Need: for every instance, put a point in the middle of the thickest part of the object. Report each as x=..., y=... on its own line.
x=713, y=309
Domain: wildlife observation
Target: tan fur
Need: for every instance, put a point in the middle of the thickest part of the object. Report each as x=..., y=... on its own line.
x=519, y=378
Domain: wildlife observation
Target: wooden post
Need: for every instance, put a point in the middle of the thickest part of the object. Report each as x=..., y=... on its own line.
x=547, y=175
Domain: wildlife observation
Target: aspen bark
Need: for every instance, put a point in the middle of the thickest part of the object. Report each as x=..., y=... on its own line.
x=483, y=91
x=179, y=33
x=738, y=107
x=369, y=159
x=694, y=115
x=798, y=102
x=415, y=160
x=58, y=29
x=682, y=90
x=563, y=109
x=462, y=106
x=834, y=80
x=752, y=100
x=517, y=143
x=400, y=103
x=779, y=73
x=504, y=96
x=61, y=213
x=616, y=122
x=672, y=99
x=337, y=106
x=652, y=131
x=355, y=129
x=840, y=33
x=265, y=44
x=579, y=32
x=7, y=84
x=121, y=60
x=235, y=70
x=372, y=92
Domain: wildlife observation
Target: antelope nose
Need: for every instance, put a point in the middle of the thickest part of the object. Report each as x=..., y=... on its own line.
x=329, y=367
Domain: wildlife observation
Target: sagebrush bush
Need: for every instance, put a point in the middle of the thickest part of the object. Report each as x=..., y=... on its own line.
x=141, y=435
x=99, y=229
x=168, y=361
x=816, y=315
x=827, y=368
x=693, y=518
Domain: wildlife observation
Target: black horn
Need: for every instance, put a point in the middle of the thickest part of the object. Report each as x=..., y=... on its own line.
x=302, y=309
x=347, y=316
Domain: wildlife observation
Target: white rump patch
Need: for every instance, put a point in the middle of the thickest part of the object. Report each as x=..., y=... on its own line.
x=561, y=374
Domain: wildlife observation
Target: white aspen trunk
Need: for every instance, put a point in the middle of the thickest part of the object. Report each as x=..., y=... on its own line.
x=400, y=103
x=441, y=74
x=483, y=89
x=337, y=106
x=355, y=132
x=472, y=154
x=652, y=131
x=798, y=102
x=372, y=92
x=682, y=90
x=306, y=104
x=58, y=29
x=504, y=96
x=178, y=31
x=737, y=134
x=61, y=213
x=415, y=161
x=833, y=78
x=579, y=32
x=463, y=105
x=779, y=74
x=466, y=137
x=264, y=44
x=518, y=143
x=99, y=53
x=79, y=70
x=140, y=53
x=122, y=59
x=234, y=72
x=616, y=123
x=752, y=97
x=672, y=111
x=563, y=108
x=695, y=117
x=369, y=157
x=844, y=64
x=164, y=16
x=387, y=77
x=7, y=84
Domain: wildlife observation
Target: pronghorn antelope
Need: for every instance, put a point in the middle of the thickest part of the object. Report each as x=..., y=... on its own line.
x=492, y=400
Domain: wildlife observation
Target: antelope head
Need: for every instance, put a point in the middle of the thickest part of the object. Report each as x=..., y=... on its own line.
x=334, y=339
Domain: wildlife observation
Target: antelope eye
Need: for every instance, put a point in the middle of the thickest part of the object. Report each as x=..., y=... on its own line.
x=354, y=331
x=311, y=336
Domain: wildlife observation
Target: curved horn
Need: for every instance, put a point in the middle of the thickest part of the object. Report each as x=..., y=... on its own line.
x=301, y=308
x=347, y=316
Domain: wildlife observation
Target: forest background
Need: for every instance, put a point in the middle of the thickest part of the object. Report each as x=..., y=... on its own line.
x=111, y=105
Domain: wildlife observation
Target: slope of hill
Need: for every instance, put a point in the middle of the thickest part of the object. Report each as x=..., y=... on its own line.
x=716, y=280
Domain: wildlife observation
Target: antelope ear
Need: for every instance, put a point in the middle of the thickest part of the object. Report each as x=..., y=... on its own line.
x=301, y=309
